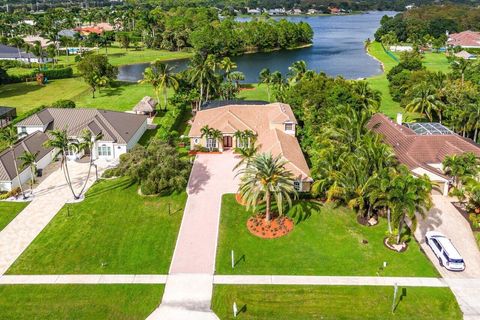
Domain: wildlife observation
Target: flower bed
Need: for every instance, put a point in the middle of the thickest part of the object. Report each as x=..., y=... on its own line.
x=276, y=228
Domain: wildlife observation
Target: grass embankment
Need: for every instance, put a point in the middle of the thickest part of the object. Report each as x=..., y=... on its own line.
x=329, y=242
x=333, y=302
x=9, y=210
x=114, y=230
x=432, y=61
x=119, y=302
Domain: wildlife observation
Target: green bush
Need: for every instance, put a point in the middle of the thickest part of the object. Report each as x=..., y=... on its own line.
x=65, y=104
x=62, y=73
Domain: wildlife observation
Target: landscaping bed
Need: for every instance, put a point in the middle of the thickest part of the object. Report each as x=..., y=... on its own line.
x=113, y=231
x=325, y=241
x=333, y=302
x=120, y=302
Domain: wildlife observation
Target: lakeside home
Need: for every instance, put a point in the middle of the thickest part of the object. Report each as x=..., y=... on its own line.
x=275, y=127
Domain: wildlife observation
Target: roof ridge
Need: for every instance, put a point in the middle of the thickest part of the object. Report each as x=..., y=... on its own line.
x=283, y=153
x=239, y=119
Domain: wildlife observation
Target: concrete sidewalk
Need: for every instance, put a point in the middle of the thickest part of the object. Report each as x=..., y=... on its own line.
x=49, y=197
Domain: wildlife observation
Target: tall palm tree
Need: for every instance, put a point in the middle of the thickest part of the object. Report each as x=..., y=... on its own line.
x=297, y=70
x=29, y=160
x=264, y=178
x=265, y=77
x=473, y=122
x=10, y=136
x=88, y=141
x=461, y=167
x=367, y=97
x=161, y=77
x=425, y=101
x=59, y=140
x=202, y=75
x=228, y=66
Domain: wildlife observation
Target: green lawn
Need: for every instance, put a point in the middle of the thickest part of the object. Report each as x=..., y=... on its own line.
x=9, y=210
x=113, y=230
x=432, y=61
x=118, y=56
x=329, y=242
x=333, y=302
x=254, y=92
x=119, y=302
x=26, y=96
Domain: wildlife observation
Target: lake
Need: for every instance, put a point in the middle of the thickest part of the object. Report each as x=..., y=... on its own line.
x=338, y=49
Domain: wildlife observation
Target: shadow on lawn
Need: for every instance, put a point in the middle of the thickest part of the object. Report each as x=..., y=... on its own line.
x=302, y=210
x=117, y=89
x=121, y=185
x=18, y=89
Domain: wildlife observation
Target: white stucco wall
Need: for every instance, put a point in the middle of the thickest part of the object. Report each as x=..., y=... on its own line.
x=31, y=129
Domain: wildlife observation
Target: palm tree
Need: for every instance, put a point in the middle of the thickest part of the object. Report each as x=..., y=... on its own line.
x=216, y=135
x=59, y=140
x=88, y=141
x=227, y=65
x=10, y=136
x=202, y=75
x=297, y=70
x=367, y=97
x=160, y=76
x=425, y=101
x=265, y=77
x=473, y=122
x=264, y=178
x=461, y=167
x=29, y=159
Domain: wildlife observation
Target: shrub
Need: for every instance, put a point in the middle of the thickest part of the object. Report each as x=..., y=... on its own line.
x=15, y=192
x=474, y=219
x=58, y=73
x=66, y=104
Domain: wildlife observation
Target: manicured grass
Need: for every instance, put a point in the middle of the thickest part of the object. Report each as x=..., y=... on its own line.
x=120, y=302
x=9, y=210
x=113, y=230
x=329, y=242
x=119, y=56
x=333, y=302
x=431, y=60
x=254, y=92
x=26, y=96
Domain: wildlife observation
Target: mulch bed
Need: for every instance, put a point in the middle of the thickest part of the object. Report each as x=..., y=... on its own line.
x=240, y=200
x=463, y=211
x=276, y=228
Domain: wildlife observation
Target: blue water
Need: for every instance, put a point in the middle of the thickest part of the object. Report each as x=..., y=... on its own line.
x=338, y=49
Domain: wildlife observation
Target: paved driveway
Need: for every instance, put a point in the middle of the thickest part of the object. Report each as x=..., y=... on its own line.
x=188, y=291
x=49, y=197
x=446, y=219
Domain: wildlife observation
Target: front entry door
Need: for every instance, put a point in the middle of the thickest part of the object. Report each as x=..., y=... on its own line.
x=227, y=142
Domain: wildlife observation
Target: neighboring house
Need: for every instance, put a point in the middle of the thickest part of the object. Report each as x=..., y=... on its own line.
x=121, y=131
x=273, y=123
x=465, y=55
x=7, y=114
x=465, y=39
x=12, y=53
x=85, y=31
x=146, y=106
x=68, y=33
x=32, y=143
x=422, y=147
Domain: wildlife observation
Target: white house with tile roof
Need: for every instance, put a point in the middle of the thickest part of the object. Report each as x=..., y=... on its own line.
x=120, y=131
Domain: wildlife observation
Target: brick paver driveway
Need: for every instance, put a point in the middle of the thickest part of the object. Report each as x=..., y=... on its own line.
x=446, y=219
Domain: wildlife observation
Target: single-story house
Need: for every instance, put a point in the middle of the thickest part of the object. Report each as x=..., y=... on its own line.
x=68, y=33
x=146, y=106
x=32, y=40
x=85, y=31
x=120, y=131
x=7, y=114
x=465, y=55
x=32, y=143
x=275, y=127
x=465, y=39
x=12, y=53
x=422, y=147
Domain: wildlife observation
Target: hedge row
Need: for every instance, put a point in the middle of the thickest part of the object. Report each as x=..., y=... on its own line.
x=60, y=73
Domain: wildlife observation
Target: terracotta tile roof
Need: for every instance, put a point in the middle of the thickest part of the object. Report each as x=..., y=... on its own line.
x=116, y=126
x=260, y=119
x=32, y=143
x=464, y=39
x=420, y=150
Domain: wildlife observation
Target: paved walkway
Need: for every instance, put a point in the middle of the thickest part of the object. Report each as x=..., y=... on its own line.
x=49, y=198
x=189, y=286
x=446, y=219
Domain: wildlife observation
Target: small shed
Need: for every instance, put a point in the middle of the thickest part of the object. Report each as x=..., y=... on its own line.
x=146, y=106
x=7, y=114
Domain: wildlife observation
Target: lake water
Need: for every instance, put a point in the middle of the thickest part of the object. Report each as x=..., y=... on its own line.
x=338, y=49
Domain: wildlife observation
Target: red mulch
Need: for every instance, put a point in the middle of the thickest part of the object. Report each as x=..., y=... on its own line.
x=239, y=199
x=276, y=228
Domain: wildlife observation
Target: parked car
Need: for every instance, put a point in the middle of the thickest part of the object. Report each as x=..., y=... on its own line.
x=446, y=253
